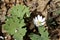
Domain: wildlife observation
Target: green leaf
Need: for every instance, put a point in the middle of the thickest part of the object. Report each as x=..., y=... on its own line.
x=13, y=25
x=20, y=10
x=35, y=37
x=41, y=29
x=44, y=34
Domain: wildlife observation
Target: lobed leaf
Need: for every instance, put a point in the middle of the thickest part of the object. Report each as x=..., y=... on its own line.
x=13, y=25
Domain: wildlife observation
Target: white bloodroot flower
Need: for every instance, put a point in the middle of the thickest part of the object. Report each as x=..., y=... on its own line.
x=39, y=21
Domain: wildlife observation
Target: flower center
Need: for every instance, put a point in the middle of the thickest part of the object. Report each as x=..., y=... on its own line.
x=38, y=23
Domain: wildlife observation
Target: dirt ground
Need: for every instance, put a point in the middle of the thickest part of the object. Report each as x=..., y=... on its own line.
x=45, y=8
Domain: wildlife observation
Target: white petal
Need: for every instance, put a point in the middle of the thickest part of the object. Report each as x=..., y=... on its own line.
x=43, y=23
x=43, y=20
x=39, y=17
x=35, y=20
x=37, y=25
